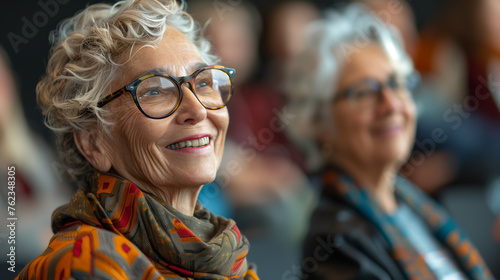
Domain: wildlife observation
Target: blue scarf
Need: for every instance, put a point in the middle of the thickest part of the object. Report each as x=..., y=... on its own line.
x=438, y=221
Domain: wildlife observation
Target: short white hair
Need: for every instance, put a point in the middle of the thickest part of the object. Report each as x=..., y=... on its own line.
x=88, y=51
x=313, y=74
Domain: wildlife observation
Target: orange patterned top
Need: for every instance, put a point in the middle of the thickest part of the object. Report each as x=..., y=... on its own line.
x=113, y=230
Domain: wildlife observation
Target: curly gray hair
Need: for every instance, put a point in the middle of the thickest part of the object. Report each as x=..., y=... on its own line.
x=88, y=50
x=312, y=76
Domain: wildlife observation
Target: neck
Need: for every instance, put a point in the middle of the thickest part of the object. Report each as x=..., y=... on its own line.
x=377, y=179
x=181, y=199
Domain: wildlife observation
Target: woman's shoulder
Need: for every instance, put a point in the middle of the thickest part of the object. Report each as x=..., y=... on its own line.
x=333, y=216
x=338, y=224
x=82, y=251
x=342, y=244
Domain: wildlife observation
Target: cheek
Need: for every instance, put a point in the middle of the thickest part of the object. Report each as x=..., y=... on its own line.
x=408, y=139
x=134, y=132
x=411, y=115
x=339, y=129
x=351, y=125
x=220, y=119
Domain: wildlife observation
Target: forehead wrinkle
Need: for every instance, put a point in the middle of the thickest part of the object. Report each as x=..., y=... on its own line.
x=185, y=60
x=176, y=55
x=172, y=68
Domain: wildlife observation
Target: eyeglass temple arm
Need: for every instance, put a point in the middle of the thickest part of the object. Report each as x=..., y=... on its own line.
x=111, y=97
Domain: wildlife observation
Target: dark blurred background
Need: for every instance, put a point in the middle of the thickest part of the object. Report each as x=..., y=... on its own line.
x=459, y=174
x=29, y=54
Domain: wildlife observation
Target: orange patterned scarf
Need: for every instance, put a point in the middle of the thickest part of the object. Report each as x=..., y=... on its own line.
x=204, y=246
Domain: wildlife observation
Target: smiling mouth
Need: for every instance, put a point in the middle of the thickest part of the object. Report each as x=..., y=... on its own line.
x=390, y=130
x=190, y=144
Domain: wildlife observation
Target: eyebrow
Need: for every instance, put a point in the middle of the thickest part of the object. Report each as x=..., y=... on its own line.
x=192, y=67
x=391, y=75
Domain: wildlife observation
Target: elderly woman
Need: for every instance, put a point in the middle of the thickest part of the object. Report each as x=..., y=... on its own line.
x=355, y=116
x=141, y=118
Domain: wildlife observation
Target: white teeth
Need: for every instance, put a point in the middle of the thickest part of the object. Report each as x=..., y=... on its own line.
x=190, y=144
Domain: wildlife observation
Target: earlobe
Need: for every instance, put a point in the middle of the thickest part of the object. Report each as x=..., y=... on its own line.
x=90, y=145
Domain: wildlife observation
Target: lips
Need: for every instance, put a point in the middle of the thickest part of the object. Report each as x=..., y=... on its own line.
x=193, y=143
x=390, y=130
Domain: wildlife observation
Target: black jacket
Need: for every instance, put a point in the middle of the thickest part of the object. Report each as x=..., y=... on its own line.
x=342, y=244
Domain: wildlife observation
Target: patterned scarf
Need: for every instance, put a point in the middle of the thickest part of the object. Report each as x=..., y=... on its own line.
x=439, y=222
x=204, y=246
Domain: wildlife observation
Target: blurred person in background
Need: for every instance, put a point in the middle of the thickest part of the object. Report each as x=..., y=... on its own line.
x=284, y=36
x=458, y=56
x=39, y=189
x=350, y=88
x=398, y=14
x=437, y=168
x=234, y=32
x=260, y=177
x=139, y=108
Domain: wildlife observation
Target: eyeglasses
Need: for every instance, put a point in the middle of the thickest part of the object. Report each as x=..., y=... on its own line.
x=159, y=95
x=367, y=92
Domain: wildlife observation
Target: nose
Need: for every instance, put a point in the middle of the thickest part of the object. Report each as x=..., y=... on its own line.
x=389, y=102
x=190, y=110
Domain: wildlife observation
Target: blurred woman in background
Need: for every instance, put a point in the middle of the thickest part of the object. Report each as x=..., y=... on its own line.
x=356, y=122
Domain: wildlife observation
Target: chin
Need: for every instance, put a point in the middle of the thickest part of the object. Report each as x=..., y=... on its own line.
x=204, y=180
x=393, y=157
x=197, y=178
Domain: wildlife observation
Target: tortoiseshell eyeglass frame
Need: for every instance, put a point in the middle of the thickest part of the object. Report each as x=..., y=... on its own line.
x=178, y=81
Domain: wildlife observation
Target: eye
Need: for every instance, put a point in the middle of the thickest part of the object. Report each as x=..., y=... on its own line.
x=200, y=85
x=396, y=83
x=150, y=92
x=203, y=83
x=153, y=91
x=364, y=93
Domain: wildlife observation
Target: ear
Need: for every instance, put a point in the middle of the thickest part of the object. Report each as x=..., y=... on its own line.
x=91, y=146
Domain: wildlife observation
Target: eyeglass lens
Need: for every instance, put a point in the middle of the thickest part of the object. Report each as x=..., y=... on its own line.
x=368, y=92
x=158, y=96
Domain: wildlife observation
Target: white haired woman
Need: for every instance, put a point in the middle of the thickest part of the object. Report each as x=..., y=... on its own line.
x=141, y=118
x=356, y=120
